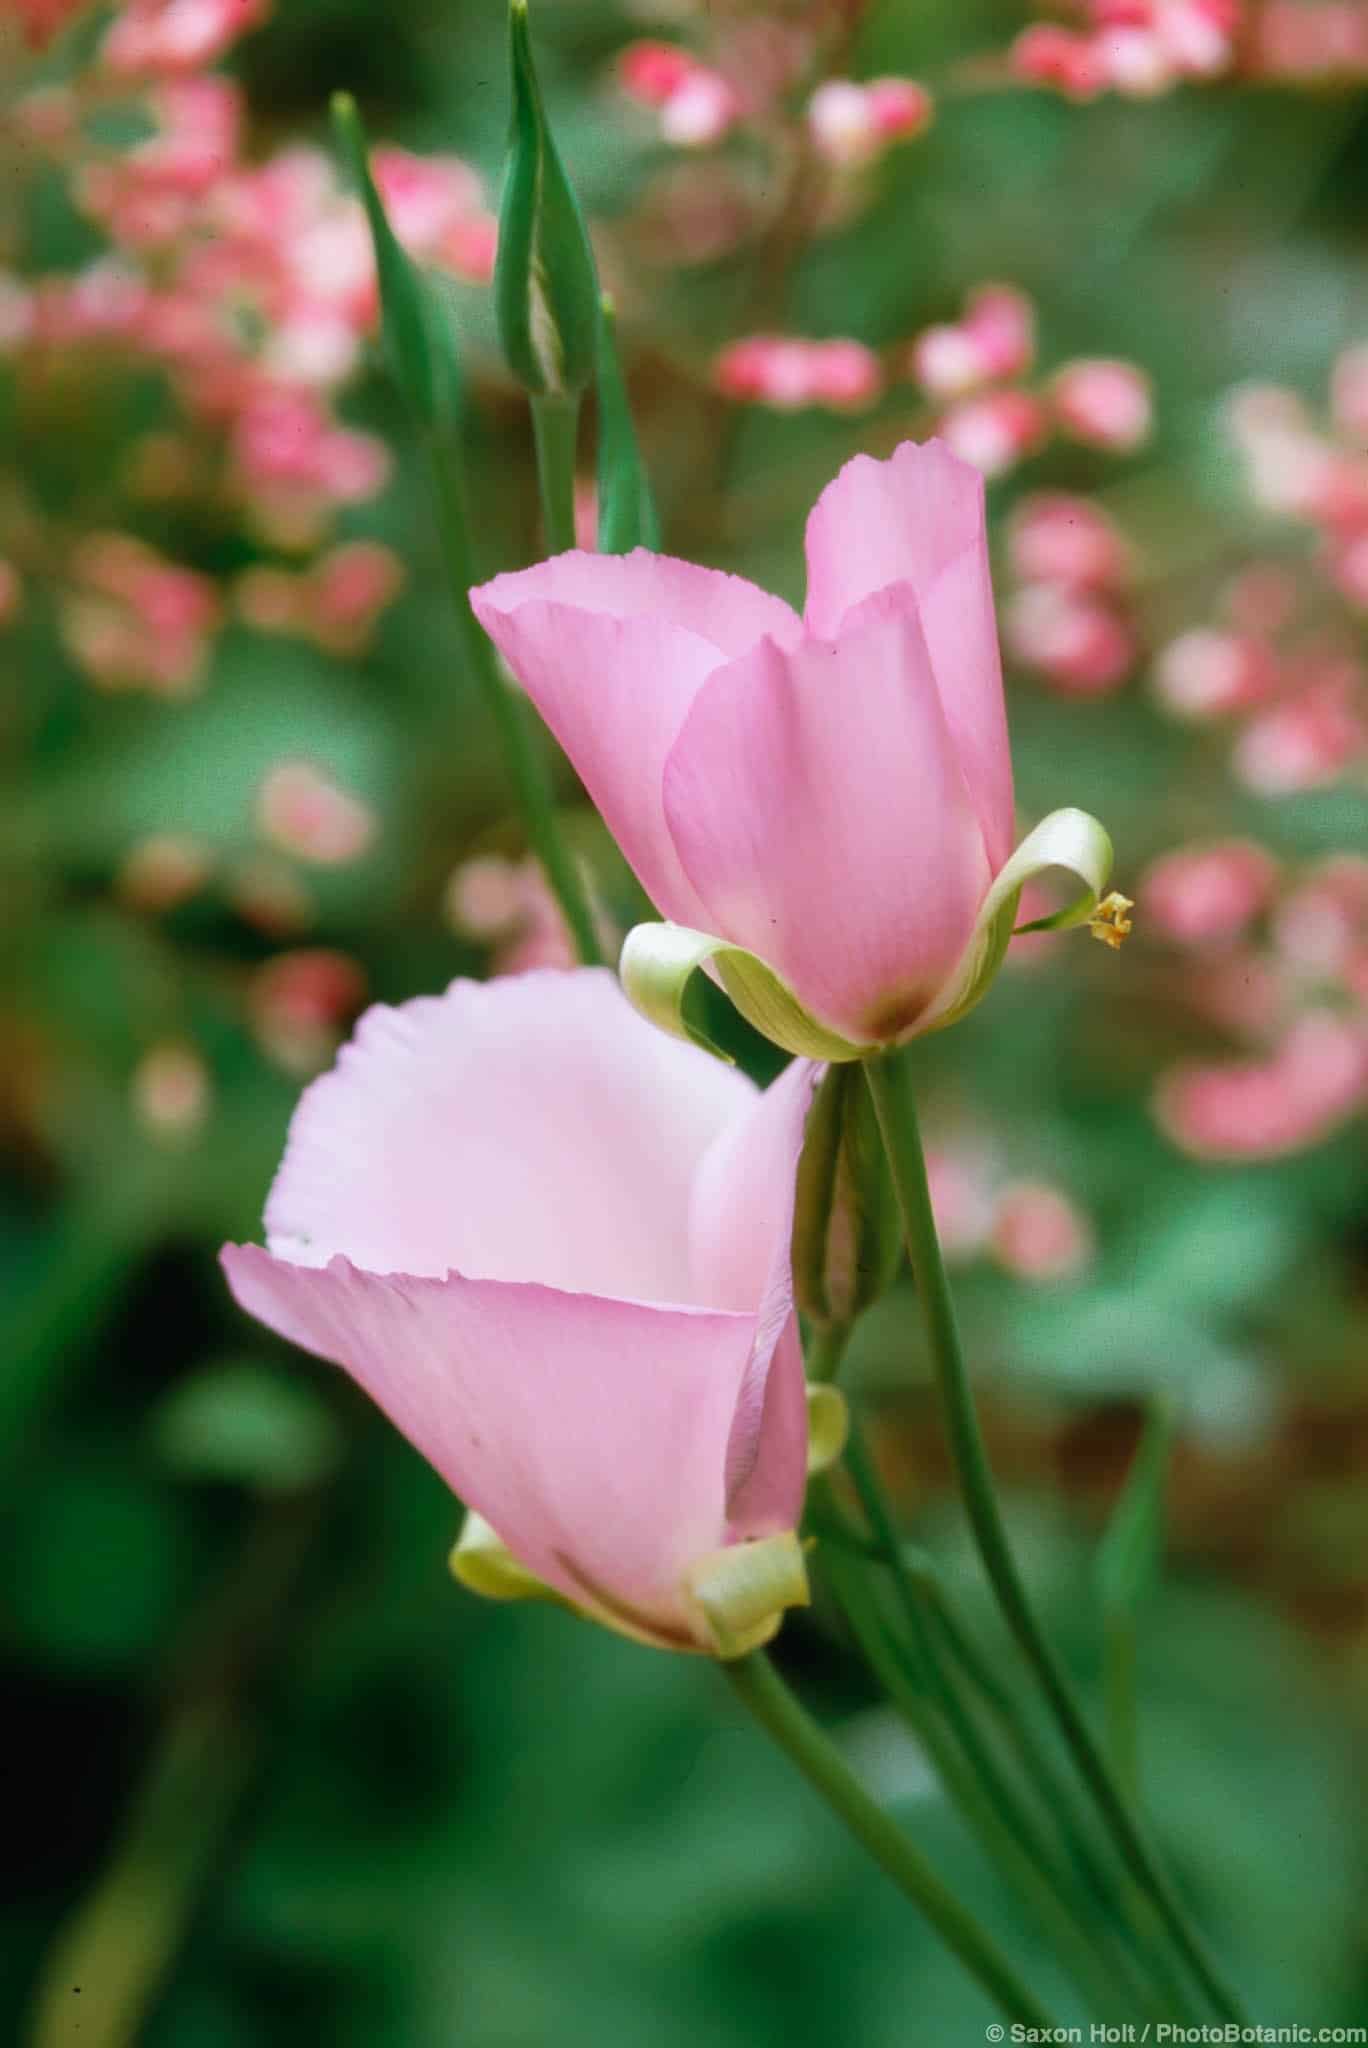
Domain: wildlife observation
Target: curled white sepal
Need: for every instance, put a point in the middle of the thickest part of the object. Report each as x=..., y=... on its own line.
x=1068, y=840
x=738, y=1595
x=484, y=1564
x=660, y=961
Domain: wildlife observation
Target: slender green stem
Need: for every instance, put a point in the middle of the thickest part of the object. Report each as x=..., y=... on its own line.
x=824, y=1350
x=757, y=1683
x=895, y=1107
x=1104, y=1980
x=523, y=757
x=555, y=424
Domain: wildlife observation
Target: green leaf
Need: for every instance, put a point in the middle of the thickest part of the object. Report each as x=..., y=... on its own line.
x=419, y=338
x=238, y=1420
x=627, y=515
x=1127, y=1564
x=545, y=286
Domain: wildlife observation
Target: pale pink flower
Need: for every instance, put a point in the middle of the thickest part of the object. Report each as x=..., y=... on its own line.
x=1038, y=1233
x=993, y=340
x=1079, y=642
x=299, y=1002
x=789, y=373
x=962, y=1197
x=1306, y=741
x=996, y=430
x=701, y=110
x=851, y=124
x=1054, y=537
x=1259, y=1109
x=1106, y=404
x=552, y=1244
x=171, y=1091
x=169, y=36
x=163, y=870
x=1207, y=895
x=303, y=811
x=1320, y=925
x=833, y=793
x=1047, y=54
x=1206, y=673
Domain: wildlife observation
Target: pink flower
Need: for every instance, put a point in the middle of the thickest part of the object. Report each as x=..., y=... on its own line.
x=304, y=812
x=789, y=373
x=553, y=1245
x=995, y=339
x=1038, y=1233
x=1207, y=895
x=996, y=430
x=1205, y=673
x=1078, y=641
x=833, y=793
x=852, y=124
x=1056, y=538
x=1260, y=1109
x=1106, y=404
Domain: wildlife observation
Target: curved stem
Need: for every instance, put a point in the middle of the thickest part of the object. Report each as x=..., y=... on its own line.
x=895, y=1108
x=524, y=759
x=756, y=1682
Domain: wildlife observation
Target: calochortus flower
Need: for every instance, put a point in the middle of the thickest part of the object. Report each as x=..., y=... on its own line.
x=821, y=806
x=553, y=1245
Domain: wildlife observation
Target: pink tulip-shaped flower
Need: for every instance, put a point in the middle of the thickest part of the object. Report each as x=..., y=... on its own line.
x=553, y=1245
x=822, y=807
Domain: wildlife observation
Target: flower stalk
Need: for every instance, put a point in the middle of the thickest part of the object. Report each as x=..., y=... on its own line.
x=889, y=1083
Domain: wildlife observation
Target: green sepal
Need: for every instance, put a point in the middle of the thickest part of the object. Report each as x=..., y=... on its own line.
x=658, y=967
x=847, y=1234
x=484, y=1564
x=828, y=1427
x=419, y=339
x=627, y=515
x=545, y=286
x=1126, y=1566
x=1069, y=840
x=738, y=1595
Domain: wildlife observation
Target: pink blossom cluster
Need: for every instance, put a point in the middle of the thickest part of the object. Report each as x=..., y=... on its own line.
x=335, y=602
x=250, y=284
x=751, y=64
x=1276, y=959
x=1281, y=661
x=1307, y=42
x=134, y=620
x=300, y=1002
x=789, y=373
x=852, y=123
x=1138, y=48
x=508, y=906
x=1070, y=616
x=974, y=366
x=1030, y=1226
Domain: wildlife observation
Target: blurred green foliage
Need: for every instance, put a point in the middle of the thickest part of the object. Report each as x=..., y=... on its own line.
x=273, y=1778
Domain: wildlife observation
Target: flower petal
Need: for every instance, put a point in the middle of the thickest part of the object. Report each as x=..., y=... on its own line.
x=818, y=808
x=612, y=651
x=740, y=1229
x=533, y=1128
x=918, y=518
x=591, y=1435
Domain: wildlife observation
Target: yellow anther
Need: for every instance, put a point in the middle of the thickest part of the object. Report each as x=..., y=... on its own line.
x=1111, y=921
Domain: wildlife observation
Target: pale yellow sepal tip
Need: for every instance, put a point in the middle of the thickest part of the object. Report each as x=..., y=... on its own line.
x=739, y=1594
x=828, y=1427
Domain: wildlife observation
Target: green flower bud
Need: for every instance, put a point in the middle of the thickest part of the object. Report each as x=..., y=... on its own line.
x=626, y=509
x=419, y=338
x=846, y=1235
x=545, y=287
